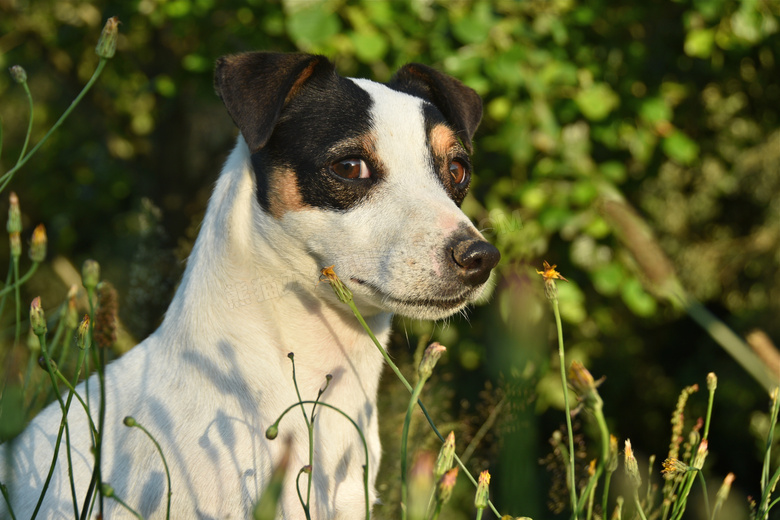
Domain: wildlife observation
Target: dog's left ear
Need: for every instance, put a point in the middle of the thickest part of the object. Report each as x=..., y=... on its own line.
x=255, y=87
x=461, y=105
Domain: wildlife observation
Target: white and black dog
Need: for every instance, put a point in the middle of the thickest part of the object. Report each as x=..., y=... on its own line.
x=328, y=170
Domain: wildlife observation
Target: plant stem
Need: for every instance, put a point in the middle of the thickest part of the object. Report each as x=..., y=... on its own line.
x=639, y=505
x=360, y=432
x=569, y=429
x=165, y=464
x=7, y=176
x=29, y=123
x=20, y=281
x=403, y=380
x=404, y=442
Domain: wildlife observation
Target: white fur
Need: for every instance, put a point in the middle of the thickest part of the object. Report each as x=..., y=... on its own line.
x=210, y=381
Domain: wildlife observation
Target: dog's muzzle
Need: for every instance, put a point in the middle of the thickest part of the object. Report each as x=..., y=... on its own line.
x=472, y=259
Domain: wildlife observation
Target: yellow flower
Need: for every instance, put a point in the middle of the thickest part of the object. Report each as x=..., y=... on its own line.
x=342, y=291
x=550, y=273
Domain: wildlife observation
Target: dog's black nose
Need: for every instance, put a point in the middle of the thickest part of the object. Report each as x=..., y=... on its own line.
x=474, y=259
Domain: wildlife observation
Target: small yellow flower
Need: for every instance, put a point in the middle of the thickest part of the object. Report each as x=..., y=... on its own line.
x=342, y=291
x=550, y=273
x=481, y=498
x=673, y=468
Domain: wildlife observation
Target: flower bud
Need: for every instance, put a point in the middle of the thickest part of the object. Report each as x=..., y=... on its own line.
x=446, y=455
x=90, y=274
x=632, y=468
x=612, y=460
x=272, y=432
x=129, y=421
x=106, y=46
x=674, y=468
x=107, y=490
x=42, y=364
x=430, y=357
x=712, y=381
x=701, y=454
x=38, y=244
x=18, y=74
x=37, y=318
x=14, y=214
x=445, y=485
x=82, y=335
x=342, y=291
x=723, y=492
x=481, y=498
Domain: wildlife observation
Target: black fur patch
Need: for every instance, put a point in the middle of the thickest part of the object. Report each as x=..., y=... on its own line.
x=328, y=120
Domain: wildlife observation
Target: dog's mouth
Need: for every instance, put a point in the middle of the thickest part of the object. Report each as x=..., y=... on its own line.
x=450, y=304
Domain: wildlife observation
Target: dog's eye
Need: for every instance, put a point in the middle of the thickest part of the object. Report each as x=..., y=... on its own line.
x=351, y=169
x=459, y=171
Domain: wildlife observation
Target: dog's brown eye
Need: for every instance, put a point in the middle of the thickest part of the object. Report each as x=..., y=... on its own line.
x=351, y=169
x=459, y=171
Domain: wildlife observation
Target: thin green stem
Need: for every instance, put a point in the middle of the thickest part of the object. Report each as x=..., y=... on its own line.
x=404, y=443
x=569, y=429
x=4, y=491
x=78, y=397
x=639, y=505
x=300, y=497
x=770, y=438
x=20, y=281
x=310, y=428
x=29, y=123
x=710, y=401
x=18, y=299
x=704, y=493
x=123, y=504
x=165, y=464
x=6, y=177
x=403, y=380
x=605, y=496
x=64, y=406
x=360, y=432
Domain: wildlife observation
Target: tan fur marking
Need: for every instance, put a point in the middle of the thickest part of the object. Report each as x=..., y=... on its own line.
x=302, y=78
x=442, y=140
x=283, y=193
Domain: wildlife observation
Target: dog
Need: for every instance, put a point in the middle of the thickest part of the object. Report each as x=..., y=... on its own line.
x=327, y=170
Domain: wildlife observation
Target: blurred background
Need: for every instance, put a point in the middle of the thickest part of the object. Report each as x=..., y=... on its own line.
x=634, y=144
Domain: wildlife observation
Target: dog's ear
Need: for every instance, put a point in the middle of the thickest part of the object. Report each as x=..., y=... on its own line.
x=461, y=105
x=255, y=86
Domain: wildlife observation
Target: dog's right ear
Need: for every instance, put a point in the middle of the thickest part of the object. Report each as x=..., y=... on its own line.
x=255, y=86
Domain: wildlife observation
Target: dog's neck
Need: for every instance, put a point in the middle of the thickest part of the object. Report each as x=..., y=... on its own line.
x=239, y=285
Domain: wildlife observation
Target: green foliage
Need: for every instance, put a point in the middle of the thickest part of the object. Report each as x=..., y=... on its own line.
x=671, y=107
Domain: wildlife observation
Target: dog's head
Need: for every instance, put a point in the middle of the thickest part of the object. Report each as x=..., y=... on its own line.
x=366, y=176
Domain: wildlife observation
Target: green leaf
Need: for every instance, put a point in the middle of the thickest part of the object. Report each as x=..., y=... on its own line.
x=475, y=26
x=655, y=110
x=636, y=299
x=369, y=46
x=312, y=26
x=680, y=148
x=597, y=101
x=608, y=278
x=699, y=43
